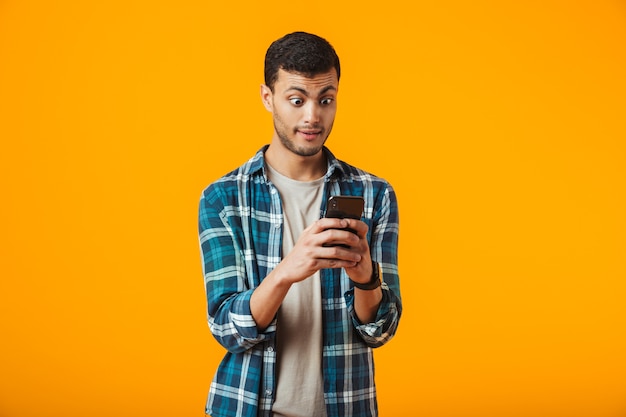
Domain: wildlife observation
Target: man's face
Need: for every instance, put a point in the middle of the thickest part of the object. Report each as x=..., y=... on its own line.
x=303, y=110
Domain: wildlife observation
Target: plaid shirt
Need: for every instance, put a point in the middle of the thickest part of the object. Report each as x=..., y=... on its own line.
x=240, y=232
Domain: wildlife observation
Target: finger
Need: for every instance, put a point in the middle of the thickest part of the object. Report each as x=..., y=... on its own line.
x=330, y=223
x=340, y=237
x=339, y=263
x=341, y=253
x=359, y=227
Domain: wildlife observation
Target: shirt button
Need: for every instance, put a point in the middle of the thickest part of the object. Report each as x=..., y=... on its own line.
x=268, y=392
x=270, y=349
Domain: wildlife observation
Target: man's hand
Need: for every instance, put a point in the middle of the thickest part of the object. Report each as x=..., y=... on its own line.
x=324, y=244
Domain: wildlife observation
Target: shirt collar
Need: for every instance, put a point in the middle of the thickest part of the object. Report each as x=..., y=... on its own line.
x=257, y=164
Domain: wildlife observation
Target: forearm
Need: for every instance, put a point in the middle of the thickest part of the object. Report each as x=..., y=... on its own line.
x=267, y=298
x=366, y=303
x=382, y=327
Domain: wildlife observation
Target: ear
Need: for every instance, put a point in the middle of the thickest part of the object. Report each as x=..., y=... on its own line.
x=266, y=98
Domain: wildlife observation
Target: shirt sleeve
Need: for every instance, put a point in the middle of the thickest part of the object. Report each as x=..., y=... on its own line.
x=384, y=326
x=384, y=250
x=228, y=286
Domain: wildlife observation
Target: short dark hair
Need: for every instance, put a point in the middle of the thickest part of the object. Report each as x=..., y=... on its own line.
x=299, y=52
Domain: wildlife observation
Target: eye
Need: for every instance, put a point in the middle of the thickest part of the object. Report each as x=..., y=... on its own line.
x=326, y=101
x=296, y=101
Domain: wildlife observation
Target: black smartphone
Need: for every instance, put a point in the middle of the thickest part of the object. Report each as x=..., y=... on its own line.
x=344, y=206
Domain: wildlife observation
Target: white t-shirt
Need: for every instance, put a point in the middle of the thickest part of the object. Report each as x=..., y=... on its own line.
x=300, y=383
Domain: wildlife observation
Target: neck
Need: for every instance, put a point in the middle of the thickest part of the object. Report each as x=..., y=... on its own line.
x=296, y=167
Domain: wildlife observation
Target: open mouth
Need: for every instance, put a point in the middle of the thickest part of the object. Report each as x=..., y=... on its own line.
x=310, y=134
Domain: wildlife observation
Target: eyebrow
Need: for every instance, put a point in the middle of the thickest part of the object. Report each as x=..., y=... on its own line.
x=306, y=93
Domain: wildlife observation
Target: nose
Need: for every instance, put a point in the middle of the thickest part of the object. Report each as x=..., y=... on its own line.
x=312, y=112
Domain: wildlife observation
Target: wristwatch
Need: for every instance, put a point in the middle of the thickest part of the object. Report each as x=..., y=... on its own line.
x=374, y=281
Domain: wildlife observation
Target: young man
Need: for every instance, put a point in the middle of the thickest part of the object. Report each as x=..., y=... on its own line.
x=298, y=302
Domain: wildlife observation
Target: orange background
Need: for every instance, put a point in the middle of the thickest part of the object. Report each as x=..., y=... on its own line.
x=500, y=124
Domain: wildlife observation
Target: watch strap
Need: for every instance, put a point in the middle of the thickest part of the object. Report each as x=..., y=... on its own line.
x=374, y=281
